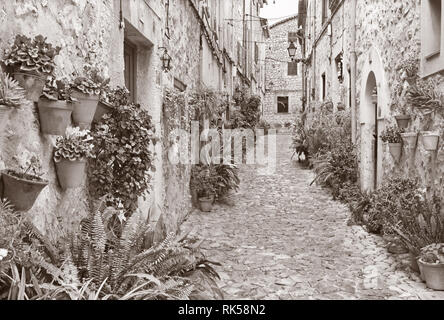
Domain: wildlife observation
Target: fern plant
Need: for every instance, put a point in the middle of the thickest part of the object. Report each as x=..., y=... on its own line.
x=97, y=264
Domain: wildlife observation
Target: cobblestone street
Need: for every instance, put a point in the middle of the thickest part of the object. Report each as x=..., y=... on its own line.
x=284, y=239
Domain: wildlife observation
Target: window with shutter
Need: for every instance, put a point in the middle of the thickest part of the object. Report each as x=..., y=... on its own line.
x=282, y=104
x=292, y=68
x=130, y=55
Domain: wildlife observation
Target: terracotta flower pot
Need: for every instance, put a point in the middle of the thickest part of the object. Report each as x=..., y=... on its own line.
x=71, y=174
x=33, y=84
x=4, y=113
x=430, y=140
x=433, y=274
x=102, y=109
x=55, y=116
x=206, y=204
x=21, y=192
x=84, y=109
x=395, y=150
x=410, y=139
x=403, y=121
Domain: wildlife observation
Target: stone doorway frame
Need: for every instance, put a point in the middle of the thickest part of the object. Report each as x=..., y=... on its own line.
x=372, y=119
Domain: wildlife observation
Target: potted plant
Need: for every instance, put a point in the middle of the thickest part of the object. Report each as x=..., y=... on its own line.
x=111, y=99
x=410, y=139
x=70, y=156
x=32, y=61
x=22, y=188
x=105, y=104
x=87, y=90
x=11, y=95
x=431, y=263
x=55, y=107
x=430, y=140
x=392, y=136
x=203, y=182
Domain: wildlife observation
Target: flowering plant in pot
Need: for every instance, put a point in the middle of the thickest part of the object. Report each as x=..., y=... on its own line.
x=70, y=157
x=392, y=136
x=55, y=107
x=32, y=61
x=110, y=99
x=431, y=264
x=87, y=90
x=203, y=182
x=22, y=187
x=11, y=95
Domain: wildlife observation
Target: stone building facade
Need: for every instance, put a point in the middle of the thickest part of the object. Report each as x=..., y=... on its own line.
x=125, y=39
x=283, y=76
x=353, y=51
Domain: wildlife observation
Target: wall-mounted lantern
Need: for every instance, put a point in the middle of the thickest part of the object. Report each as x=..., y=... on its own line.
x=166, y=60
x=292, y=51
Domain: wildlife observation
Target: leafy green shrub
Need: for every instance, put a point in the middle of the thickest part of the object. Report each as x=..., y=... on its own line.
x=123, y=160
x=411, y=214
x=11, y=94
x=203, y=180
x=248, y=114
x=339, y=166
x=32, y=55
x=227, y=179
x=76, y=145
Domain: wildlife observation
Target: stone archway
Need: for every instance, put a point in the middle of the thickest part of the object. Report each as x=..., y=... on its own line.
x=374, y=105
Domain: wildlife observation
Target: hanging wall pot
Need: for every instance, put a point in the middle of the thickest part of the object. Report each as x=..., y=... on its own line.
x=102, y=109
x=395, y=150
x=410, y=139
x=84, y=110
x=55, y=116
x=430, y=140
x=403, y=121
x=71, y=174
x=21, y=190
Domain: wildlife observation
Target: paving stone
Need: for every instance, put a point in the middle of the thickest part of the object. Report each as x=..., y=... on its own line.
x=285, y=239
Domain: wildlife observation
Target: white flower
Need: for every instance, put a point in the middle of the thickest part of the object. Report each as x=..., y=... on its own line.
x=3, y=253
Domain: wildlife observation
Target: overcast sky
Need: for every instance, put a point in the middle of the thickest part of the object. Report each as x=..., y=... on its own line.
x=282, y=8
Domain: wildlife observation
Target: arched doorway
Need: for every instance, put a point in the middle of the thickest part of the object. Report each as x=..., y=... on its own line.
x=373, y=109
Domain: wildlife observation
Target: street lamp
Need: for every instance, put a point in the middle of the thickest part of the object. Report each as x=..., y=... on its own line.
x=166, y=60
x=292, y=51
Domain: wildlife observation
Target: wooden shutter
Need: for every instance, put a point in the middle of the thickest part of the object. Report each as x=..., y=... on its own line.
x=293, y=68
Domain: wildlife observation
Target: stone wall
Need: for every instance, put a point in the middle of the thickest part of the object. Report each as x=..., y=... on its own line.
x=386, y=33
x=277, y=80
x=184, y=48
x=78, y=27
x=92, y=29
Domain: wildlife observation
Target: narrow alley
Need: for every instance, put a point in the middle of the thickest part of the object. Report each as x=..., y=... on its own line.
x=284, y=239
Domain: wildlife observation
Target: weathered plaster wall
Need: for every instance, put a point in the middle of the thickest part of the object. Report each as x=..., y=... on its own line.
x=279, y=83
